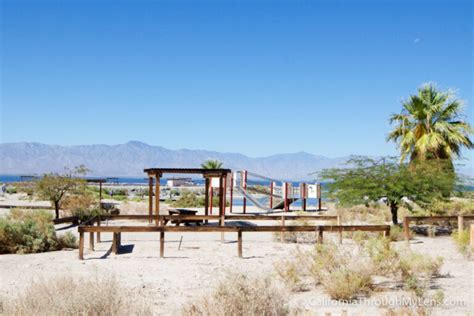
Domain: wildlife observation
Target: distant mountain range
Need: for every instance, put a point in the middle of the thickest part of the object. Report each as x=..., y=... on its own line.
x=129, y=160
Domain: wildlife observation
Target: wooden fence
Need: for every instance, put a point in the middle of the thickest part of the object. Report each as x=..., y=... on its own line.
x=431, y=219
x=117, y=230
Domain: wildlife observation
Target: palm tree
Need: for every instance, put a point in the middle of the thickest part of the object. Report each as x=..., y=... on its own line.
x=430, y=126
x=211, y=164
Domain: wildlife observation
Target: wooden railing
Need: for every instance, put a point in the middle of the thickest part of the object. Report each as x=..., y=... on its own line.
x=431, y=219
x=117, y=230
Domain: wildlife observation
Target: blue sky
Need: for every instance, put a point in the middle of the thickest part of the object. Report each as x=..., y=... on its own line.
x=256, y=77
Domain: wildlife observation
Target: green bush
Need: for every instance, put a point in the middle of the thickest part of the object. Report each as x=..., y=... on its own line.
x=11, y=190
x=31, y=232
x=191, y=199
x=67, y=240
x=27, y=232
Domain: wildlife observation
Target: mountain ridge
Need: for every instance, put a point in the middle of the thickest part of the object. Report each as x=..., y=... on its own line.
x=129, y=159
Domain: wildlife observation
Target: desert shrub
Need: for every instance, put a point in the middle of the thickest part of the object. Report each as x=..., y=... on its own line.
x=373, y=213
x=67, y=240
x=11, y=190
x=115, y=191
x=413, y=270
x=68, y=296
x=293, y=272
x=344, y=275
x=238, y=294
x=396, y=233
x=191, y=199
x=461, y=238
x=453, y=207
x=296, y=237
x=74, y=202
x=83, y=205
x=29, y=232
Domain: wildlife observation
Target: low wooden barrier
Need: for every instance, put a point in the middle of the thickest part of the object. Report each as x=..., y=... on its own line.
x=431, y=219
x=70, y=219
x=88, y=227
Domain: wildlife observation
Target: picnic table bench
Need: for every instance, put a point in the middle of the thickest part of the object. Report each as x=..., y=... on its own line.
x=187, y=222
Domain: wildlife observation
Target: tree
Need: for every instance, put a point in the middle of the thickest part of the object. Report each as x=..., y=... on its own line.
x=430, y=126
x=211, y=164
x=370, y=180
x=54, y=186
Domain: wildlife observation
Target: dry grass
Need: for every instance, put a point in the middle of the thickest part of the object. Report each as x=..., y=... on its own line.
x=346, y=273
x=67, y=296
x=237, y=295
x=133, y=208
x=461, y=238
x=343, y=274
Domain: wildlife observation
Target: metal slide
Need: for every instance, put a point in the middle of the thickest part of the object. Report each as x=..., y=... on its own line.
x=277, y=207
x=255, y=201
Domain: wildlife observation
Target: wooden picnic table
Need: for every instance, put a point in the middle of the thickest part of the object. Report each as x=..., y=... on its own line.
x=186, y=222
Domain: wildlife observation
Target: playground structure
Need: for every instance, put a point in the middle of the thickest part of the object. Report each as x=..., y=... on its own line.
x=280, y=194
x=222, y=179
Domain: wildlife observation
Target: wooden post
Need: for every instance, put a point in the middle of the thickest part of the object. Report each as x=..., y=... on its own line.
x=98, y=233
x=239, y=243
x=340, y=229
x=460, y=223
x=320, y=234
x=81, y=246
x=91, y=241
x=221, y=205
x=162, y=244
x=116, y=241
x=245, y=190
x=211, y=197
x=157, y=200
x=206, y=198
x=406, y=228
x=231, y=192
x=285, y=197
x=282, y=234
x=150, y=198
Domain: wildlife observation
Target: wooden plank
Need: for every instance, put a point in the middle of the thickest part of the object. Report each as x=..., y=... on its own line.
x=278, y=217
x=227, y=217
x=157, y=201
x=460, y=223
x=70, y=219
x=307, y=228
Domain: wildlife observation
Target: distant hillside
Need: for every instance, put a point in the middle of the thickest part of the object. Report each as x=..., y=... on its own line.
x=129, y=160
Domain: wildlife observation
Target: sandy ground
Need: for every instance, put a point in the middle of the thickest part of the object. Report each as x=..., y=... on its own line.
x=202, y=260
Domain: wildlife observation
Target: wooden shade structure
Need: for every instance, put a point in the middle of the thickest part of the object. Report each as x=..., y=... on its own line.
x=157, y=174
